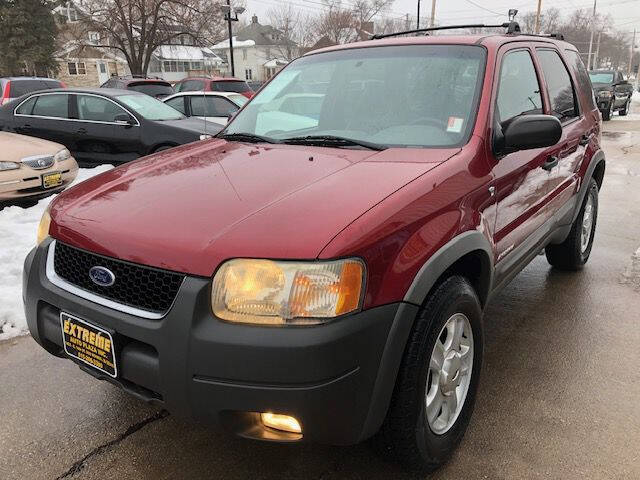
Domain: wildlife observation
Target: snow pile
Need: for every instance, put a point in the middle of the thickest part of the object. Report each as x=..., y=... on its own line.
x=17, y=237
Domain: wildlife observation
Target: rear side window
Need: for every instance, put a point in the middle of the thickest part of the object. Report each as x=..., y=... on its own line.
x=580, y=71
x=518, y=88
x=561, y=93
x=191, y=86
x=52, y=106
x=210, y=106
x=22, y=87
x=230, y=86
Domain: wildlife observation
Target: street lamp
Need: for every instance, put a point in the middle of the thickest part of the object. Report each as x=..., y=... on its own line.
x=231, y=15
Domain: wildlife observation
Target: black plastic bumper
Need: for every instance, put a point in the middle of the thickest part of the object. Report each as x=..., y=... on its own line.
x=337, y=378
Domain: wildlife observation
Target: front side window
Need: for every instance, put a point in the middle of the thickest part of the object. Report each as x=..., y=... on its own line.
x=210, y=106
x=177, y=103
x=559, y=85
x=413, y=95
x=98, y=109
x=52, y=106
x=150, y=108
x=518, y=87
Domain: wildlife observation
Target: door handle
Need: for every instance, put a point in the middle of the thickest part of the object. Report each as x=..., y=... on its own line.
x=82, y=131
x=585, y=139
x=551, y=162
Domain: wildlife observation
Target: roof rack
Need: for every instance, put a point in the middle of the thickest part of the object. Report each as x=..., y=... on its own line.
x=512, y=27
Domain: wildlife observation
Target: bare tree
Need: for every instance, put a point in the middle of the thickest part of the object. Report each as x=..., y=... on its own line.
x=136, y=28
x=347, y=23
x=293, y=25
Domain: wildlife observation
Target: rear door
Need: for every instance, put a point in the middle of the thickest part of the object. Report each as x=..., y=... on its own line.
x=564, y=104
x=48, y=117
x=521, y=179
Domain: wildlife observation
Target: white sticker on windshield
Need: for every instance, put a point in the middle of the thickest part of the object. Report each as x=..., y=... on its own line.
x=455, y=124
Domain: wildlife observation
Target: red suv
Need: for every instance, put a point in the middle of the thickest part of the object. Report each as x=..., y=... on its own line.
x=214, y=84
x=321, y=274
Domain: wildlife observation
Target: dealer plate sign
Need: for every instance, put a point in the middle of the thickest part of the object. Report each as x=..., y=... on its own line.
x=88, y=343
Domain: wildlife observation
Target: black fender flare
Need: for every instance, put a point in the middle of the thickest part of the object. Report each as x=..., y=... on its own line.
x=403, y=321
x=596, y=160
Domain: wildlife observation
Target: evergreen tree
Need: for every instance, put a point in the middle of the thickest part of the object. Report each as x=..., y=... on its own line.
x=28, y=37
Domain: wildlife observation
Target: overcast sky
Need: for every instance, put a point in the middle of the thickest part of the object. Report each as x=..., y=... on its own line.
x=626, y=13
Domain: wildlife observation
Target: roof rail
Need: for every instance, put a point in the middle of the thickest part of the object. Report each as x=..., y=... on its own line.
x=512, y=27
x=557, y=36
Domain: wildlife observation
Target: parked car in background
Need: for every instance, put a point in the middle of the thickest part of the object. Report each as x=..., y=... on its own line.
x=613, y=93
x=211, y=106
x=154, y=87
x=326, y=282
x=255, y=86
x=103, y=125
x=33, y=168
x=214, y=84
x=15, y=87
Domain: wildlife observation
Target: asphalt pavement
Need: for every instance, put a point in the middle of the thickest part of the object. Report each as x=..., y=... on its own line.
x=559, y=396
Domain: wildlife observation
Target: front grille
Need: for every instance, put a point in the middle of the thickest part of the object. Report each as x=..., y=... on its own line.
x=38, y=162
x=137, y=286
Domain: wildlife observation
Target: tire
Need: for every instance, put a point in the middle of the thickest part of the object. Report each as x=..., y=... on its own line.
x=625, y=110
x=606, y=115
x=574, y=252
x=406, y=434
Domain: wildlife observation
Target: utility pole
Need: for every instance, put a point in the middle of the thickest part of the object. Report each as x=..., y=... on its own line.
x=231, y=15
x=418, y=20
x=593, y=27
x=633, y=42
x=537, y=29
x=597, y=55
x=433, y=13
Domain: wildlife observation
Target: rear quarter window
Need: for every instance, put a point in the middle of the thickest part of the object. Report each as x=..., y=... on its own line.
x=580, y=71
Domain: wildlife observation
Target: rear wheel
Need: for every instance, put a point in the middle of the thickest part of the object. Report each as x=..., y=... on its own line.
x=438, y=379
x=574, y=252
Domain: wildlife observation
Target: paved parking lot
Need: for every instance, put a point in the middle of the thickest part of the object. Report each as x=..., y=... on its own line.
x=559, y=397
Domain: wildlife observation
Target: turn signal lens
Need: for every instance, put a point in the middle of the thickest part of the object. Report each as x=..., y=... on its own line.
x=280, y=292
x=281, y=422
x=43, y=227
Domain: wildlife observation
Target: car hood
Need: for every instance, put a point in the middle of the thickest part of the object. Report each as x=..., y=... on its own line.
x=195, y=124
x=15, y=147
x=189, y=208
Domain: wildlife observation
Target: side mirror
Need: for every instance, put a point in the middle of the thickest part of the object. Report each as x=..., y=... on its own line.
x=527, y=132
x=124, y=119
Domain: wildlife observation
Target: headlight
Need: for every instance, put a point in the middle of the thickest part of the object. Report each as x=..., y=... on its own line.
x=43, y=227
x=272, y=292
x=604, y=94
x=62, y=155
x=9, y=166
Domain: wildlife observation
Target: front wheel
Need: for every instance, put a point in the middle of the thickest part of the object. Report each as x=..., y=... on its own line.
x=574, y=252
x=438, y=379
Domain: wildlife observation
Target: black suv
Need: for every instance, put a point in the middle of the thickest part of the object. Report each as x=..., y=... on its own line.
x=153, y=86
x=14, y=87
x=612, y=91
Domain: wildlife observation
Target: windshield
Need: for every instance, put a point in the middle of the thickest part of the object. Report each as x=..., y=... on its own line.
x=150, y=108
x=601, y=77
x=153, y=89
x=416, y=95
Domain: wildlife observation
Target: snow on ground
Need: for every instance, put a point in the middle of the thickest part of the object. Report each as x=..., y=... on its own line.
x=17, y=237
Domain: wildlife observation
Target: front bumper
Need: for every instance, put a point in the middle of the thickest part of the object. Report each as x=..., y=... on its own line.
x=28, y=183
x=336, y=379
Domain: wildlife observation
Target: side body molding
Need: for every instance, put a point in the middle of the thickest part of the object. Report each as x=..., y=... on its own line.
x=446, y=256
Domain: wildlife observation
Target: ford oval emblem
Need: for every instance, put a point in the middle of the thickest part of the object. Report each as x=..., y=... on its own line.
x=102, y=276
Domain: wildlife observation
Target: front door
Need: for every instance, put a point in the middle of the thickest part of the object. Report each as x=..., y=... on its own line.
x=521, y=178
x=103, y=71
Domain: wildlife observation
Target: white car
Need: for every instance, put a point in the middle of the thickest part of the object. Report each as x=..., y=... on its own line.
x=217, y=107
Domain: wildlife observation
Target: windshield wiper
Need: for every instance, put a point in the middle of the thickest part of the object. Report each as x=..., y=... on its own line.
x=332, y=141
x=247, y=137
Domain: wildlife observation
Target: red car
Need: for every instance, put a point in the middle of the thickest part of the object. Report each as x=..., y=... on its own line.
x=319, y=271
x=214, y=84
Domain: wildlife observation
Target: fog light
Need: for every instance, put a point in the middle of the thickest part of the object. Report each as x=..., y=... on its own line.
x=281, y=422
